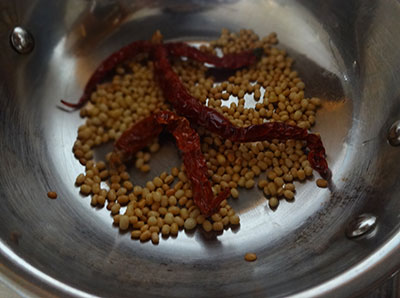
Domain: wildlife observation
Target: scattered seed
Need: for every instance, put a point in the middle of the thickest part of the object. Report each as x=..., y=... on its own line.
x=52, y=195
x=250, y=257
x=322, y=183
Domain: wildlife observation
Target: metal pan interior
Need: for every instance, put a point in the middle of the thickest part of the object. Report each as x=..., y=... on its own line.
x=346, y=52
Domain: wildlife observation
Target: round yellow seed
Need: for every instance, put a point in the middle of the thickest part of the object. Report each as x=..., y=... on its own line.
x=136, y=234
x=179, y=221
x=207, y=226
x=218, y=226
x=249, y=184
x=322, y=183
x=190, y=223
x=80, y=179
x=234, y=193
x=221, y=159
x=288, y=194
x=165, y=230
x=52, y=195
x=124, y=222
x=273, y=202
x=145, y=236
x=174, y=229
x=250, y=257
x=152, y=221
x=86, y=189
x=155, y=238
x=234, y=219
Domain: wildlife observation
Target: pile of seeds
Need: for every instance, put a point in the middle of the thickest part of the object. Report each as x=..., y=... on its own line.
x=267, y=91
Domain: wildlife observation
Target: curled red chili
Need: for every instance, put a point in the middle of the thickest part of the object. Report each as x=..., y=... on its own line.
x=107, y=65
x=188, y=106
x=230, y=61
x=188, y=142
x=139, y=135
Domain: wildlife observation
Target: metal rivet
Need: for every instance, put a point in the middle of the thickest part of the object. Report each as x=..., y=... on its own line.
x=21, y=40
x=362, y=225
x=394, y=134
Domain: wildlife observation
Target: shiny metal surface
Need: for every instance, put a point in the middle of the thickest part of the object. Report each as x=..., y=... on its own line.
x=394, y=134
x=347, y=53
x=21, y=40
x=362, y=225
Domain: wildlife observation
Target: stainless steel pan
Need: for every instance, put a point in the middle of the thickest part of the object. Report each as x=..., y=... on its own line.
x=348, y=53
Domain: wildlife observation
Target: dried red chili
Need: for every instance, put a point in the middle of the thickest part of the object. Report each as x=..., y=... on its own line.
x=107, y=65
x=139, y=135
x=188, y=141
x=316, y=156
x=188, y=106
x=180, y=49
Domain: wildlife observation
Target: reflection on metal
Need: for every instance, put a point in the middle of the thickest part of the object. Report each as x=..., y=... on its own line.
x=362, y=225
x=21, y=40
x=394, y=134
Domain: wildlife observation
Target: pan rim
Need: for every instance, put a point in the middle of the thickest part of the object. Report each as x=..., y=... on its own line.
x=27, y=280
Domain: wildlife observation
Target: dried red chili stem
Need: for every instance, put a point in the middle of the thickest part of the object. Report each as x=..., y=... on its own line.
x=188, y=106
x=228, y=61
x=188, y=142
x=180, y=49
